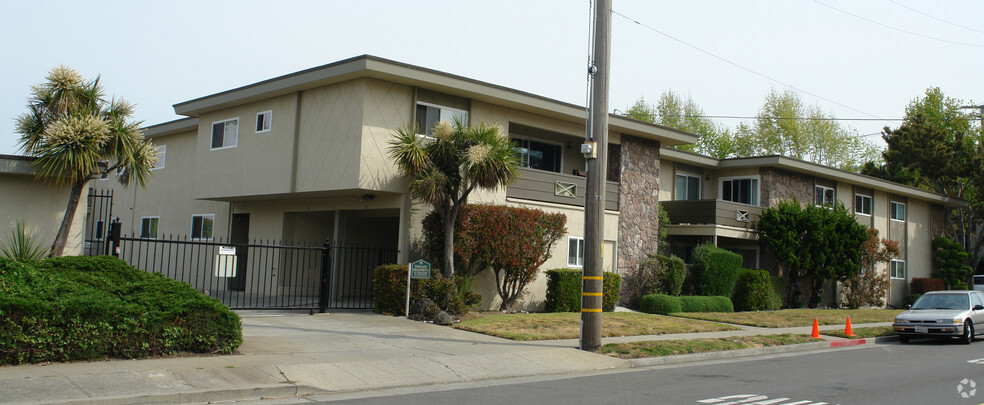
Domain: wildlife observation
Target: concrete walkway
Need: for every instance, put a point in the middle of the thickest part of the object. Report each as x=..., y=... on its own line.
x=287, y=355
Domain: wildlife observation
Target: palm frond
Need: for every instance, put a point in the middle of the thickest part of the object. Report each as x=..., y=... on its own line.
x=408, y=152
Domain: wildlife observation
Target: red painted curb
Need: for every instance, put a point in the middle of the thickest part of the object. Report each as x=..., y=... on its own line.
x=850, y=342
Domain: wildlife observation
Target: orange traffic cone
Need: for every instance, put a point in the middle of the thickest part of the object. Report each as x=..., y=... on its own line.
x=816, y=329
x=847, y=329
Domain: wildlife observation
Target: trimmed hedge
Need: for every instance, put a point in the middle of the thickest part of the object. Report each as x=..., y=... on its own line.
x=754, y=291
x=564, y=290
x=656, y=275
x=88, y=308
x=665, y=304
x=715, y=270
x=921, y=286
x=389, y=291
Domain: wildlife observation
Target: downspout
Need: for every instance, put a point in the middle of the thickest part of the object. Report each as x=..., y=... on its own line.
x=297, y=137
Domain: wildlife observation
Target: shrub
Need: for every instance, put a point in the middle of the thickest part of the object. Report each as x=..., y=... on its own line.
x=754, y=291
x=564, y=290
x=389, y=291
x=911, y=299
x=655, y=275
x=715, y=270
x=86, y=308
x=703, y=303
x=950, y=261
x=660, y=304
x=921, y=286
x=779, y=286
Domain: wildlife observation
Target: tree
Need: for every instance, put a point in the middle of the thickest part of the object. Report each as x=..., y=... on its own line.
x=685, y=114
x=949, y=258
x=71, y=128
x=868, y=286
x=812, y=245
x=938, y=148
x=444, y=169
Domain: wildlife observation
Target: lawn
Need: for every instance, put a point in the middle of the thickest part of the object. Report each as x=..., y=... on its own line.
x=796, y=317
x=871, y=332
x=566, y=325
x=656, y=348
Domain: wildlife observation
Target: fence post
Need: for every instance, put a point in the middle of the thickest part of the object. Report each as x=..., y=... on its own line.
x=325, y=268
x=113, y=247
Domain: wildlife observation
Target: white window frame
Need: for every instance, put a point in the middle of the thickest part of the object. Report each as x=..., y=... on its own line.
x=267, y=121
x=142, y=226
x=892, y=209
x=676, y=190
x=823, y=193
x=578, y=255
x=758, y=190
x=161, y=154
x=893, y=269
x=235, y=142
x=204, y=216
x=525, y=164
x=857, y=208
x=441, y=117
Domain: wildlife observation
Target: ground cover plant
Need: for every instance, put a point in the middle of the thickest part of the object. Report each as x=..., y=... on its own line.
x=656, y=348
x=88, y=308
x=566, y=325
x=796, y=317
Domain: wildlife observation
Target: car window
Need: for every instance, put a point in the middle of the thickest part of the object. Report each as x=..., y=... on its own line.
x=943, y=301
x=976, y=299
x=979, y=279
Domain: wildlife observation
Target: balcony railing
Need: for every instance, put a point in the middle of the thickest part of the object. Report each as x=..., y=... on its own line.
x=717, y=212
x=558, y=188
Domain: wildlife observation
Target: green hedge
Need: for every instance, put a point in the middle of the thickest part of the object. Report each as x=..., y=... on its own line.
x=656, y=275
x=564, y=290
x=87, y=308
x=754, y=291
x=715, y=270
x=389, y=291
x=665, y=304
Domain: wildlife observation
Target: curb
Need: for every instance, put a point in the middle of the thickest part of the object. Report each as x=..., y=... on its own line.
x=285, y=391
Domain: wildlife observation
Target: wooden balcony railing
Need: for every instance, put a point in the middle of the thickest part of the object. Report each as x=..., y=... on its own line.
x=558, y=188
x=718, y=212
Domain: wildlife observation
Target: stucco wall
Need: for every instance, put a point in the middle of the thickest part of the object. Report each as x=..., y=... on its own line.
x=41, y=208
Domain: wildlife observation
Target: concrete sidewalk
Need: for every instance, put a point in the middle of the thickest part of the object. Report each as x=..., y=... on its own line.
x=287, y=355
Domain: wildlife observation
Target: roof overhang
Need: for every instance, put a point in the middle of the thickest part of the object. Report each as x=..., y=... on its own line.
x=171, y=127
x=17, y=164
x=367, y=66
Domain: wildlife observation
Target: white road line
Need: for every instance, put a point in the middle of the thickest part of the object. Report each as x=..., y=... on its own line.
x=976, y=361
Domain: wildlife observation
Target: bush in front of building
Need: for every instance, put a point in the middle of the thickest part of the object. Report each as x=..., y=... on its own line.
x=660, y=304
x=564, y=290
x=715, y=271
x=89, y=308
x=921, y=285
x=657, y=274
x=389, y=291
x=666, y=304
x=754, y=291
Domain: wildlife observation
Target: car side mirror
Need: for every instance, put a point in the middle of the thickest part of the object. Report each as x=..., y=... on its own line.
x=978, y=307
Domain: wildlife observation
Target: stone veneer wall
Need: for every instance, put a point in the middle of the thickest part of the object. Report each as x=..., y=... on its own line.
x=638, y=218
x=778, y=185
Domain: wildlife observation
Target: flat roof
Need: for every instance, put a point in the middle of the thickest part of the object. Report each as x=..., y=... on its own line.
x=368, y=66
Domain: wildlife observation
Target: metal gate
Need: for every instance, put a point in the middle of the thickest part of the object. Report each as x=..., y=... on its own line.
x=98, y=214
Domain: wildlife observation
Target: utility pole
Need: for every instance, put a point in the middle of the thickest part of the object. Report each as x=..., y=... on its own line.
x=596, y=155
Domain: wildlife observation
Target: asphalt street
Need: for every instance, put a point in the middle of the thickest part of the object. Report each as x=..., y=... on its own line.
x=921, y=372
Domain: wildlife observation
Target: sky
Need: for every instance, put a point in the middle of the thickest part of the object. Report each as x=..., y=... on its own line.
x=854, y=59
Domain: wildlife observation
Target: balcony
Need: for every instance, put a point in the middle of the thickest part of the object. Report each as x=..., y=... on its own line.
x=557, y=188
x=712, y=212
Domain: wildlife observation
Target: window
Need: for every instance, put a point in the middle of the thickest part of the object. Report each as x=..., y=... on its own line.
x=161, y=153
x=898, y=211
x=862, y=204
x=201, y=226
x=823, y=195
x=741, y=190
x=897, y=269
x=148, y=227
x=225, y=134
x=538, y=155
x=429, y=115
x=687, y=187
x=575, y=252
x=263, y=121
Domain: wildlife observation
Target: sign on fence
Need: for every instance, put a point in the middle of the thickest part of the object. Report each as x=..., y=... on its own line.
x=418, y=269
x=225, y=262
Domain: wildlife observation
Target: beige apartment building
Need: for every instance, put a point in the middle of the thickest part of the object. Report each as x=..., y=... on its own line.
x=38, y=205
x=303, y=158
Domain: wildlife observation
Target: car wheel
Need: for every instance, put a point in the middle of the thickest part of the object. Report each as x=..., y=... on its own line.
x=903, y=339
x=968, y=332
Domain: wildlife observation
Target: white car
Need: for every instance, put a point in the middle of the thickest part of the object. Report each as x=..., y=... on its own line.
x=942, y=314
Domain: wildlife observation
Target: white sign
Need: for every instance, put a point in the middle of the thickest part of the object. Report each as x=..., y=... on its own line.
x=227, y=250
x=225, y=262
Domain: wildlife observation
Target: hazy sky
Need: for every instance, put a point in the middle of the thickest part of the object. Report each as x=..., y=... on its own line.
x=158, y=53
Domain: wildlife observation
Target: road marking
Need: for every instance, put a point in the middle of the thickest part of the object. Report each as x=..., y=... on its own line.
x=754, y=399
x=976, y=361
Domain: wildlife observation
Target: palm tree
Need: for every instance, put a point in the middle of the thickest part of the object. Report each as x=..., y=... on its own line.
x=72, y=129
x=444, y=169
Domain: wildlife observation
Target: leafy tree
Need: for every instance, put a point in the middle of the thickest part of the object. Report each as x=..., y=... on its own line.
x=812, y=245
x=868, y=287
x=444, y=169
x=950, y=259
x=684, y=114
x=71, y=128
x=937, y=148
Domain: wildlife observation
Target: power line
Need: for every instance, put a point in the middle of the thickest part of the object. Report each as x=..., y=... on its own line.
x=937, y=18
x=896, y=28
x=743, y=67
x=652, y=116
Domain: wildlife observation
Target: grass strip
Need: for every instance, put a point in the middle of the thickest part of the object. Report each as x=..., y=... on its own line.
x=566, y=325
x=656, y=348
x=796, y=317
x=870, y=332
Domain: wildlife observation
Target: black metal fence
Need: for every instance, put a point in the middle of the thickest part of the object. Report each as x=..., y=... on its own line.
x=262, y=275
x=99, y=213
